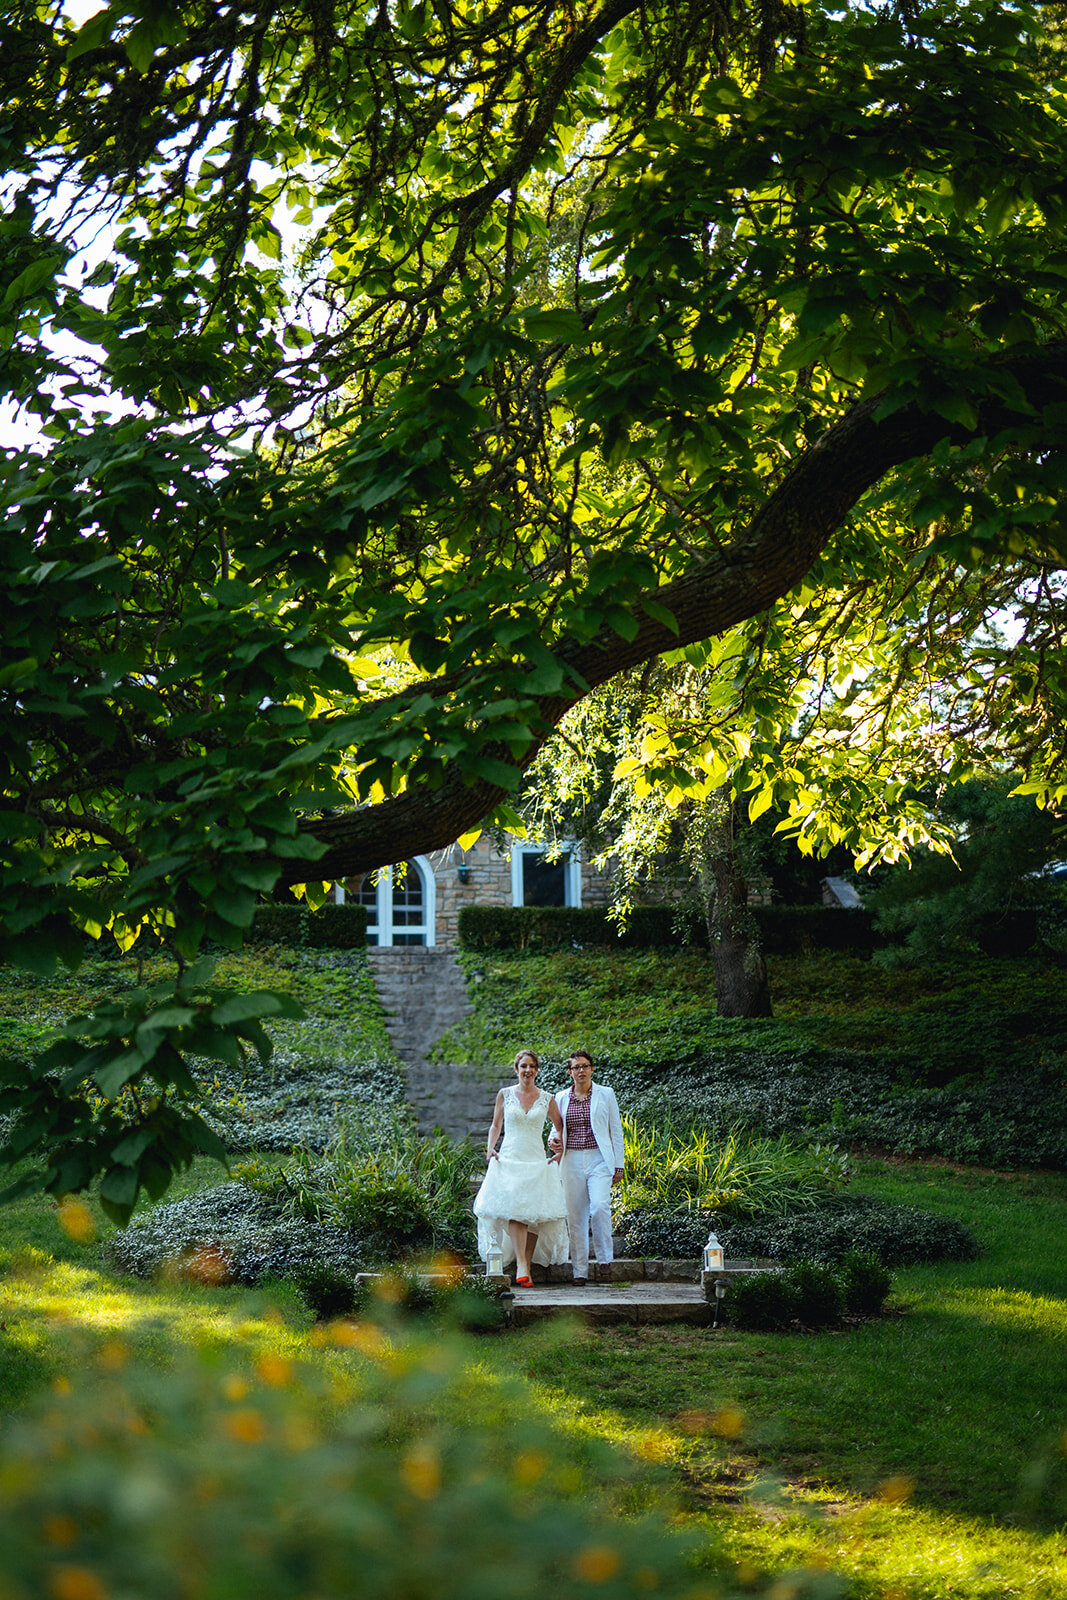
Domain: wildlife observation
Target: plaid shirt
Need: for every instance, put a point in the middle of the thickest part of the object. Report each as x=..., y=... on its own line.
x=579, y=1127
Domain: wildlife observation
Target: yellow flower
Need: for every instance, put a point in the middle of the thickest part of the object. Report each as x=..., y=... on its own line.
x=894, y=1491
x=60, y=1530
x=597, y=1563
x=246, y=1426
x=420, y=1469
x=76, y=1220
x=530, y=1466
x=728, y=1422
x=113, y=1355
x=361, y=1336
x=275, y=1370
x=75, y=1583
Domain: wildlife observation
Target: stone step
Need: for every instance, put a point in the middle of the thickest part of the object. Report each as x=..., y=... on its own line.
x=641, y=1302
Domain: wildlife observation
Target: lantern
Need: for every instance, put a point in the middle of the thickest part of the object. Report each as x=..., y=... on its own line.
x=494, y=1262
x=713, y=1256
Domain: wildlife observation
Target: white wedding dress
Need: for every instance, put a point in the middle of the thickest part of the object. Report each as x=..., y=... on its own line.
x=521, y=1185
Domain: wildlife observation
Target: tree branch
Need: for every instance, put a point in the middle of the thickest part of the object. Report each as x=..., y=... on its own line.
x=781, y=543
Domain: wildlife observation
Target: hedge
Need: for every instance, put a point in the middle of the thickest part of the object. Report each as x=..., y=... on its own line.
x=783, y=930
x=530, y=928
x=329, y=928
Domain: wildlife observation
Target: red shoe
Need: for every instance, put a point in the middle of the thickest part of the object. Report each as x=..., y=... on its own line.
x=524, y=1283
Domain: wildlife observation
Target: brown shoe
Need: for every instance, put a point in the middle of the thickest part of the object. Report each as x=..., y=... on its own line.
x=579, y=1283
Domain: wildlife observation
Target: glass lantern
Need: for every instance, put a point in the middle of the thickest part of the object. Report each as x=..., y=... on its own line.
x=714, y=1260
x=494, y=1262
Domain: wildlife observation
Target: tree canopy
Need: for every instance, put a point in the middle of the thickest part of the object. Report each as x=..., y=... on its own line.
x=403, y=372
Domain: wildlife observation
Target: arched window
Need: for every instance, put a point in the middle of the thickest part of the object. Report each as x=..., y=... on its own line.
x=402, y=905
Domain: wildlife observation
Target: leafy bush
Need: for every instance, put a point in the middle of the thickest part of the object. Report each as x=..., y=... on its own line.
x=466, y=1301
x=866, y=1283
x=380, y=1194
x=232, y=1234
x=899, y=1236
x=386, y=1208
x=742, y=1173
x=895, y=1235
x=820, y=1301
x=226, y=1479
x=329, y=927
x=327, y=1292
x=656, y=1231
x=762, y=1303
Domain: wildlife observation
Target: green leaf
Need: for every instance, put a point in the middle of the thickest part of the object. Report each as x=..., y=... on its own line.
x=264, y=1003
x=555, y=324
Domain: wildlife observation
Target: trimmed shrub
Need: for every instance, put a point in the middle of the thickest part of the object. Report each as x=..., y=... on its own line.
x=279, y=924
x=329, y=928
x=326, y=1292
x=337, y=928
x=762, y=1303
x=820, y=1301
x=866, y=1283
x=534, y=928
x=803, y=930
x=783, y=930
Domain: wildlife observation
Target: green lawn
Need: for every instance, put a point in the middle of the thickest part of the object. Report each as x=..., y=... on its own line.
x=904, y=1452
x=921, y=1455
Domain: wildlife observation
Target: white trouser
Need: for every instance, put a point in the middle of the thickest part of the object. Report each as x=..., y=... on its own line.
x=587, y=1186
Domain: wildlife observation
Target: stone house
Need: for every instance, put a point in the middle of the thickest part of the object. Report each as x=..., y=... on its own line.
x=419, y=903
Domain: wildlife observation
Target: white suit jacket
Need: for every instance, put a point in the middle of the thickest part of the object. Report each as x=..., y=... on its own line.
x=605, y=1121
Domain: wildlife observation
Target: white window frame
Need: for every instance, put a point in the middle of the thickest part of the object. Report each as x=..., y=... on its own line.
x=383, y=925
x=572, y=872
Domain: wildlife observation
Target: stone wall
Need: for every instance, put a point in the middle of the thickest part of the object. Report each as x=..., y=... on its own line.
x=489, y=883
x=482, y=876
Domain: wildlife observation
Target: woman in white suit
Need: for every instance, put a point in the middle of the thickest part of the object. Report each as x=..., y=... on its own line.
x=592, y=1161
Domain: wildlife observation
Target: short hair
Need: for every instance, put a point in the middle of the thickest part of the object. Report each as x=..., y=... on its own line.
x=521, y=1056
x=579, y=1055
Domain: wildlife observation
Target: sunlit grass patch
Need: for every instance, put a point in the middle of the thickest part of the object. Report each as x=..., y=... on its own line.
x=894, y=1550
x=1014, y=1311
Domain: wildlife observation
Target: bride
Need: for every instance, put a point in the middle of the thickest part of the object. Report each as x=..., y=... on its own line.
x=520, y=1205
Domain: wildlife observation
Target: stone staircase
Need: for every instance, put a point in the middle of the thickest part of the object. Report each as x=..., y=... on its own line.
x=423, y=994
x=641, y=1291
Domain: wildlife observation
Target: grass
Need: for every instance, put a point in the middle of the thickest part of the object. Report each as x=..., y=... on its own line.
x=921, y=1455
x=901, y=1453
x=897, y=1453
x=60, y=1300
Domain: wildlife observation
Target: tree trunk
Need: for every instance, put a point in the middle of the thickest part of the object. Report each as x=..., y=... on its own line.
x=741, y=987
